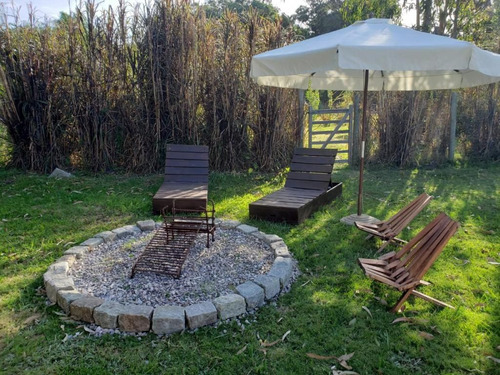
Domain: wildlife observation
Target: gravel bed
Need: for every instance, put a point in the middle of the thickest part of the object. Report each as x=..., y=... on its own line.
x=232, y=259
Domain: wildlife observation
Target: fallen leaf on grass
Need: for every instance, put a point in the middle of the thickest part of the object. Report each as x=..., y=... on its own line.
x=367, y=310
x=66, y=336
x=285, y=335
x=268, y=344
x=242, y=350
x=494, y=263
x=426, y=335
x=496, y=360
x=352, y=321
x=321, y=357
x=399, y=320
x=32, y=319
x=87, y=329
x=381, y=300
x=77, y=202
x=336, y=372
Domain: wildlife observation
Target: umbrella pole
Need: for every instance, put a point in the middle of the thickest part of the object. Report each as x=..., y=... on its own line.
x=363, y=138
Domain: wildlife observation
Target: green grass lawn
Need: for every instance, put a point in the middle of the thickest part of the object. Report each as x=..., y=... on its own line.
x=332, y=309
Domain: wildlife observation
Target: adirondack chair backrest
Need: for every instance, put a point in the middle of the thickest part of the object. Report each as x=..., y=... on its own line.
x=400, y=220
x=311, y=168
x=186, y=163
x=418, y=255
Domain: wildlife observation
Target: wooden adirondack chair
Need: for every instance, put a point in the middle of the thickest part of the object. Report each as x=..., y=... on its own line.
x=404, y=270
x=308, y=186
x=389, y=229
x=186, y=179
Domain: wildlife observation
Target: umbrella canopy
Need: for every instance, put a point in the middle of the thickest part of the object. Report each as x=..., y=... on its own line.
x=398, y=58
x=375, y=55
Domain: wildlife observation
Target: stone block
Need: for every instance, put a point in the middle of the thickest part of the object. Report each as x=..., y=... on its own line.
x=229, y=224
x=168, y=319
x=229, y=306
x=107, y=236
x=246, y=228
x=66, y=297
x=60, y=268
x=201, y=314
x=106, y=315
x=270, y=238
x=260, y=235
x=253, y=294
x=49, y=275
x=59, y=173
x=70, y=259
x=134, y=229
x=92, y=243
x=124, y=231
x=135, y=318
x=83, y=308
x=282, y=268
x=270, y=284
x=55, y=284
x=280, y=249
x=146, y=225
x=77, y=251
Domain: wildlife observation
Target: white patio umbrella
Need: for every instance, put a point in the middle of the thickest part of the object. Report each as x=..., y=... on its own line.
x=376, y=55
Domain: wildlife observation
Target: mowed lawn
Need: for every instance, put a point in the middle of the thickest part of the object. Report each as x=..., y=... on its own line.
x=332, y=309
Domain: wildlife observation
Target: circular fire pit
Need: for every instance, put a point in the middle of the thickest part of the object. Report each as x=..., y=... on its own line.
x=240, y=271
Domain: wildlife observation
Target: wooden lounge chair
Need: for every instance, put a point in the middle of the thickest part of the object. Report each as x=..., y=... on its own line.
x=404, y=270
x=388, y=230
x=186, y=179
x=308, y=186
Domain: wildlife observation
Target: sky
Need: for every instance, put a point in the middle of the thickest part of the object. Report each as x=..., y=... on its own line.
x=52, y=8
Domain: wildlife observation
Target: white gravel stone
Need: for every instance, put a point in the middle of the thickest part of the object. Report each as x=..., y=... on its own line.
x=229, y=306
x=168, y=319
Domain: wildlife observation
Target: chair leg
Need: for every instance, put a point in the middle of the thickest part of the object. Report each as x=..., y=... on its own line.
x=383, y=246
x=430, y=299
x=401, y=301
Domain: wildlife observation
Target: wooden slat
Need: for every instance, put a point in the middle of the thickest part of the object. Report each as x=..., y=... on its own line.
x=328, y=160
x=188, y=163
x=323, y=177
x=318, y=168
x=315, y=151
x=187, y=171
x=187, y=155
x=321, y=132
x=304, y=184
x=187, y=148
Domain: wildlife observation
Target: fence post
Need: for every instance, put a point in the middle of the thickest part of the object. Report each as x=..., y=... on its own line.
x=453, y=126
x=355, y=131
x=301, y=97
x=350, y=138
x=310, y=126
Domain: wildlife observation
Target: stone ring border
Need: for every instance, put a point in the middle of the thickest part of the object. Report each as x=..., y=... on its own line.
x=168, y=319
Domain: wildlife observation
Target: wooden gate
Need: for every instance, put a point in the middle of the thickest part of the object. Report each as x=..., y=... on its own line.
x=332, y=128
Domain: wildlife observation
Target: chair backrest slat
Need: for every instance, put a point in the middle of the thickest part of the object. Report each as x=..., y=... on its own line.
x=311, y=168
x=400, y=220
x=186, y=163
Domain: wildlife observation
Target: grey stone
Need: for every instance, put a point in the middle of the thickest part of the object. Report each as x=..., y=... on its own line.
x=146, y=225
x=229, y=224
x=65, y=297
x=107, y=236
x=124, y=231
x=229, y=306
x=83, y=308
x=50, y=275
x=168, y=319
x=92, y=243
x=280, y=249
x=55, y=284
x=77, y=251
x=59, y=268
x=282, y=268
x=201, y=314
x=246, y=228
x=134, y=229
x=59, y=173
x=253, y=294
x=135, y=318
x=260, y=235
x=106, y=315
x=270, y=238
x=70, y=259
x=270, y=284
